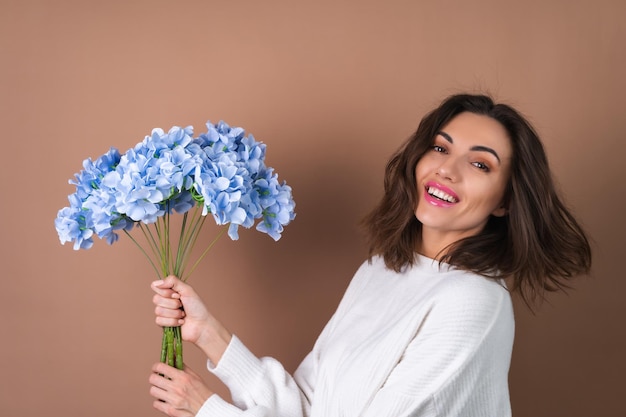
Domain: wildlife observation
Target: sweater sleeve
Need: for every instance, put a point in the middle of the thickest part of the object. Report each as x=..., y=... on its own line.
x=261, y=387
x=457, y=364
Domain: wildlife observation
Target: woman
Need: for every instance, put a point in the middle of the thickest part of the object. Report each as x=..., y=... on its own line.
x=426, y=325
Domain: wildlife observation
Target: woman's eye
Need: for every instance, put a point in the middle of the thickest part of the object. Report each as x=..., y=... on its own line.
x=481, y=166
x=438, y=148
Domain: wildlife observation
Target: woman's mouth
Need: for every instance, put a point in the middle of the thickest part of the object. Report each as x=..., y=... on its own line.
x=441, y=195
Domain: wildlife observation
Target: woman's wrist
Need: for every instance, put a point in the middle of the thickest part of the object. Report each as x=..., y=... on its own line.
x=214, y=344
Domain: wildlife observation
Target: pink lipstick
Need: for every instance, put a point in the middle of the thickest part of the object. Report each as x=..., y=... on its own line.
x=439, y=195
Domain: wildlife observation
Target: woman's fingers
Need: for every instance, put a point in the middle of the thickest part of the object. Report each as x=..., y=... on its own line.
x=168, y=322
x=164, y=287
x=167, y=409
x=164, y=369
x=178, y=392
x=166, y=302
x=169, y=313
x=169, y=404
x=165, y=389
x=170, y=283
x=161, y=381
x=156, y=391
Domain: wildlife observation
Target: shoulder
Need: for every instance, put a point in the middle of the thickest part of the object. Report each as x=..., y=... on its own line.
x=473, y=306
x=466, y=287
x=460, y=291
x=468, y=313
x=373, y=267
x=431, y=286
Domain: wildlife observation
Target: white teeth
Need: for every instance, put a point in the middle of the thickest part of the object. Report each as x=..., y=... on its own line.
x=441, y=195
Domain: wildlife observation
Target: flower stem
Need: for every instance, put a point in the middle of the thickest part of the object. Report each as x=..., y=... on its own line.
x=185, y=241
x=179, y=348
x=172, y=259
x=207, y=249
x=179, y=251
x=164, y=346
x=144, y=252
x=170, y=346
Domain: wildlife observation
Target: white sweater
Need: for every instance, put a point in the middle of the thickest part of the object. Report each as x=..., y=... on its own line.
x=426, y=342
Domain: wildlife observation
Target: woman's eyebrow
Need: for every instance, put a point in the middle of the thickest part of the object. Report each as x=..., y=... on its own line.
x=486, y=149
x=479, y=148
x=445, y=136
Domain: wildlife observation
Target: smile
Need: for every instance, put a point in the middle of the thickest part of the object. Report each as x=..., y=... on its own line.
x=441, y=195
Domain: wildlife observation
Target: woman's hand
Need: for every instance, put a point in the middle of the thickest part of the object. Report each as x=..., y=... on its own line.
x=177, y=393
x=177, y=304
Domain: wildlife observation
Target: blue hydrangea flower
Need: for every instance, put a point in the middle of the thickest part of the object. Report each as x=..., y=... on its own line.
x=276, y=202
x=82, y=218
x=71, y=224
x=222, y=170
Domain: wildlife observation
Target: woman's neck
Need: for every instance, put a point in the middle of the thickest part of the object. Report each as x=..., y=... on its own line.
x=434, y=244
x=429, y=252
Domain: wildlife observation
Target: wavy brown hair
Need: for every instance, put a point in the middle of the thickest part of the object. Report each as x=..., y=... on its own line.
x=538, y=245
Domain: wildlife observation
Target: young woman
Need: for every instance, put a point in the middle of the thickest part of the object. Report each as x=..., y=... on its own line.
x=426, y=325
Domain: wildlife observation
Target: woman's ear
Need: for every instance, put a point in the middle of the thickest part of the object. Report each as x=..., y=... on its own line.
x=503, y=209
x=500, y=212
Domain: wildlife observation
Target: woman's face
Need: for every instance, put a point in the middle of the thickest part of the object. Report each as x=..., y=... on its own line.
x=462, y=179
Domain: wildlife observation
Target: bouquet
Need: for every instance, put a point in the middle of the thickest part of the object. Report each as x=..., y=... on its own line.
x=220, y=173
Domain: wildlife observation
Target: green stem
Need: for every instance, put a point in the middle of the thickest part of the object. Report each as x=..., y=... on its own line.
x=144, y=252
x=179, y=251
x=191, y=239
x=152, y=243
x=193, y=268
x=168, y=249
x=184, y=240
x=170, y=345
x=179, y=348
x=173, y=259
x=158, y=227
x=164, y=346
x=154, y=247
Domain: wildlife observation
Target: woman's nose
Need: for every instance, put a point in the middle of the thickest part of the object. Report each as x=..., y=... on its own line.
x=449, y=169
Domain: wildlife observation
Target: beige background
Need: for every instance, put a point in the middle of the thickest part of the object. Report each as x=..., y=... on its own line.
x=333, y=87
